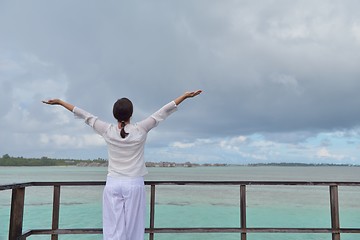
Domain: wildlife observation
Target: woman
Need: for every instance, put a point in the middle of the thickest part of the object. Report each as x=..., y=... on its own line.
x=124, y=197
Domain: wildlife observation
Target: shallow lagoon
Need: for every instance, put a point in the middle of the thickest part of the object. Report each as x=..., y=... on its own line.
x=194, y=206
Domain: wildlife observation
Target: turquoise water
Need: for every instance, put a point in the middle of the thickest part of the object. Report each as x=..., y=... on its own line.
x=193, y=206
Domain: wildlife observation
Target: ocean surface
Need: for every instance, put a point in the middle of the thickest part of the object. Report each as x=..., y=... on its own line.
x=194, y=206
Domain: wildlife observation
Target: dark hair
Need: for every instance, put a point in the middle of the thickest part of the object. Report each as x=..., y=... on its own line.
x=122, y=111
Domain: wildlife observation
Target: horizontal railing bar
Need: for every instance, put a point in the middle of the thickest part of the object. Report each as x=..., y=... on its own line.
x=14, y=186
x=76, y=183
x=253, y=230
x=51, y=184
x=248, y=183
x=241, y=230
x=63, y=231
x=302, y=230
x=196, y=230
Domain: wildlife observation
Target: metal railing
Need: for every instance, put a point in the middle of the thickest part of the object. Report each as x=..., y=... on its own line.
x=18, y=195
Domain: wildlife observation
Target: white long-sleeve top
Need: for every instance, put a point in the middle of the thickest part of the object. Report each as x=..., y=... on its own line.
x=126, y=155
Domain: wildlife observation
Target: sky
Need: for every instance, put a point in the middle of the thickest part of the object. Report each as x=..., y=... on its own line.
x=280, y=78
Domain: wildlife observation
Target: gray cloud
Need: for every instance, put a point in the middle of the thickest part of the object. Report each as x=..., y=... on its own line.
x=273, y=67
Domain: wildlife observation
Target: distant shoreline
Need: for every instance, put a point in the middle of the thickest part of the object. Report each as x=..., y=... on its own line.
x=9, y=161
x=284, y=164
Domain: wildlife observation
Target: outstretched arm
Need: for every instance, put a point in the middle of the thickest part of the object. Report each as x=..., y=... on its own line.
x=186, y=95
x=60, y=102
x=160, y=115
x=99, y=126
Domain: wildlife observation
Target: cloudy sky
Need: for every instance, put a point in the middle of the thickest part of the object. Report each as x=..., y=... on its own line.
x=281, y=78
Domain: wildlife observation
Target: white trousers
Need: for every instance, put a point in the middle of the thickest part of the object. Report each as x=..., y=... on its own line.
x=124, y=203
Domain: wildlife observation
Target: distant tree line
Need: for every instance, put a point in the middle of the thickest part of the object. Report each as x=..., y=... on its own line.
x=7, y=160
x=285, y=164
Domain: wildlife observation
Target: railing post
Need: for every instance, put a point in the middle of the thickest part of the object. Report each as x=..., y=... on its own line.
x=152, y=212
x=243, y=211
x=56, y=211
x=334, y=206
x=16, y=213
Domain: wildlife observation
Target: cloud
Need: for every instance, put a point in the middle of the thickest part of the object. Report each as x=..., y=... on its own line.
x=324, y=153
x=182, y=145
x=356, y=31
x=275, y=74
x=69, y=141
